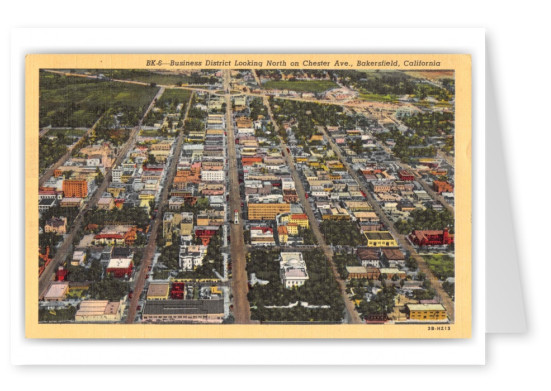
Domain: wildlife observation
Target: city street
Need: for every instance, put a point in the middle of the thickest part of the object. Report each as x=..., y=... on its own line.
x=241, y=307
x=67, y=244
x=404, y=242
x=151, y=246
x=352, y=314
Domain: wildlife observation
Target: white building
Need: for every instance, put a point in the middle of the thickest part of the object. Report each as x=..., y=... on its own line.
x=191, y=257
x=262, y=236
x=212, y=175
x=287, y=183
x=116, y=174
x=292, y=270
x=94, y=161
x=79, y=257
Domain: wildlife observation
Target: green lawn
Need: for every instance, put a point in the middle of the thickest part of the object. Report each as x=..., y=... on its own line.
x=174, y=96
x=67, y=132
x=443, y=266
x=378, y=98
x=301, y=85
x=147, y=76
x=320, y=289
x=68, y=101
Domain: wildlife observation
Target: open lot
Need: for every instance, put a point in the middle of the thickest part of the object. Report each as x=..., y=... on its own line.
x=79, y=102
x=441, y=265
x=301, y=85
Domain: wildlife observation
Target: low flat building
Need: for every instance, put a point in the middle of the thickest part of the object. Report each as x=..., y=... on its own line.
x=158, y=291
x=91, y=311
x=431, y=237
x=426, y=312
x=369, y=256
x=71, y=202
x=46, y=203
x=356, y=272
x=380, y=239
x=394, y=257
x=57, y=291
x=120, y=267
x=79, y=257
x=184, y=311
x=262, y=236
x=391, y=272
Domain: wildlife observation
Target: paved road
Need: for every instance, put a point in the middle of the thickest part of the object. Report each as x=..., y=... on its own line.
x=448, y=158
x=151, y=246
x=404, y=242
x=240, y=285
x=352, y=316
x=50, y=171
x=66, y=246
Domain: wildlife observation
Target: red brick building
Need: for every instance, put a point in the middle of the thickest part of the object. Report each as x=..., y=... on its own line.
x=442, y=186
x=405, y=175
x=431, y=237
x=120, y=267
x=206, y=233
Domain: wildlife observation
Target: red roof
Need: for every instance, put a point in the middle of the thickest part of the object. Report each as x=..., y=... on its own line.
x=108, y=236
x=263, y=229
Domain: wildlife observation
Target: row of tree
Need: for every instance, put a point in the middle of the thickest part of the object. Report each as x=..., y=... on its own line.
x=426, y=219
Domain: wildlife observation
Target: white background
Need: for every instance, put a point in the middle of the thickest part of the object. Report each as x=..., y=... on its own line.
x=517, y=52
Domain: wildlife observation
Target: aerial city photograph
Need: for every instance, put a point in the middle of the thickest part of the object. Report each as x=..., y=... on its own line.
x=246, y=196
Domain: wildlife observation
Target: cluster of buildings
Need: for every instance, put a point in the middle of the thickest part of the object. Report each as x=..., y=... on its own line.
x=200, y=177
x=75, y=181
x=138, y=180
x=175, y=301
x=336, y=196
x=397, y=190
x=272, y=205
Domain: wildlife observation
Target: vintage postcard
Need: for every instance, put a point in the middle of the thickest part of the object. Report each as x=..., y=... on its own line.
x=248, y=196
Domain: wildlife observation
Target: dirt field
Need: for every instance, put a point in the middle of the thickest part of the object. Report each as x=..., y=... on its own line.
x=432, y=75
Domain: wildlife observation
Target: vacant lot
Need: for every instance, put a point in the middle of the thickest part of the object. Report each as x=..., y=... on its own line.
x=67, y=101
x=173, y=97
x=441, y=265
x=170, y=79
x=301, y=85
x=431, y=75
x=378, y=97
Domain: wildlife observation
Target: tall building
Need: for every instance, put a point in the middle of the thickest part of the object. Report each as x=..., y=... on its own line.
x=267, y=211
x=75, y=188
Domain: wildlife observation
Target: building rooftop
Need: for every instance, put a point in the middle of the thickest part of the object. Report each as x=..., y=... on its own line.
x=425, y=307
x=56, y=290
x=121, y=252
x=356, y=269
x=119, y=263
x=184, y=307
x=98, y=307
x=393, y=254
x=379, y=235
x=158, y=289
x=368, y=253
